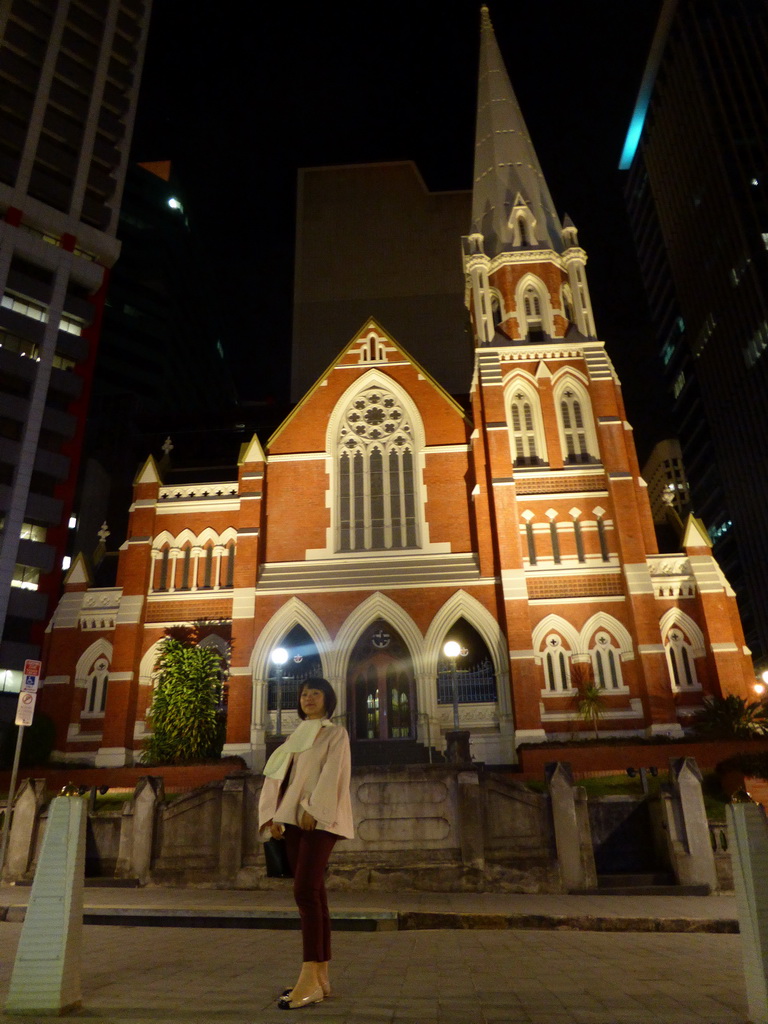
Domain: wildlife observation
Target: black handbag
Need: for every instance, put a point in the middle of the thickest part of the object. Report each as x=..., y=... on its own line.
x=277, y=859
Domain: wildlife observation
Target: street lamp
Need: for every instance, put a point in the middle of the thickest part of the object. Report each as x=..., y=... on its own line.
x=452, y=650
x=279, y=657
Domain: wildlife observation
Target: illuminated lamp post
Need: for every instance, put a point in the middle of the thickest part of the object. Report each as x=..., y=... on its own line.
x=457, y=740
x=279, y=657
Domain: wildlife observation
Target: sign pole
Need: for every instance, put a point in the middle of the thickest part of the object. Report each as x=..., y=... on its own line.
x=25, y=710
x=11, y=795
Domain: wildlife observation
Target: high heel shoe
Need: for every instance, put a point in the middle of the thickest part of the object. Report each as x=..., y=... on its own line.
x=286, y=1003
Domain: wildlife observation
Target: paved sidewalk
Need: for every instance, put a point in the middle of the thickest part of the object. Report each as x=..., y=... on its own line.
x=496, y=972
x=183, y=976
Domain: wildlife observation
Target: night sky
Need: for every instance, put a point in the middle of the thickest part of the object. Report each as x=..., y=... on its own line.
x=241, y=95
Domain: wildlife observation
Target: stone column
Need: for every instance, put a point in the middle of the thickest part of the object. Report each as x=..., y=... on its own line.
x=685, y=819
x=573, y=835
x=149, y=793
x=471, y=824
x=46, y=974
x=231, y=834
x=32, y=797
x=748, y=835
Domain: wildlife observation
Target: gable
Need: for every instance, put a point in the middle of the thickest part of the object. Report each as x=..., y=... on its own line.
x=372, y=354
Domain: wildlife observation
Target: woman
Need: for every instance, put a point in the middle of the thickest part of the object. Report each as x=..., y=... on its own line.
x=305, y=801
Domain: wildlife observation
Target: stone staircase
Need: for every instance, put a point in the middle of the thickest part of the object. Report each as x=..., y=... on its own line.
x=393, y=752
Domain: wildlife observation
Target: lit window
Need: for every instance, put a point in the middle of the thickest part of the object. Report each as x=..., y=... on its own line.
x=26, y=577
x=72, y=524
x=376, y=478
x=66, y=562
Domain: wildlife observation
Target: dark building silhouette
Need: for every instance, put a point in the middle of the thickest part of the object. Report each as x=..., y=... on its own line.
x=697, y=193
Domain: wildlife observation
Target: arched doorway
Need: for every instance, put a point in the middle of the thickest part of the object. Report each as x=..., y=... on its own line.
x=381, y=686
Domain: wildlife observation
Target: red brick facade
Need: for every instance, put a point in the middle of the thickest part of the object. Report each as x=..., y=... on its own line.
x=552, y=563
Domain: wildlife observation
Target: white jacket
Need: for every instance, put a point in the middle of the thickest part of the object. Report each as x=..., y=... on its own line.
x=318, y=782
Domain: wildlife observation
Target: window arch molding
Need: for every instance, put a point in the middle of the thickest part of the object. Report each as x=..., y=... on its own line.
x=100, y=648
x=520, y=390
x=293, y=613
x=531, y=286
x=577, y=433
x=683, y=642
x=375, y=379
x=95, y=661
x=377, y=606
x=464, y=605
x=602, y=622
x=555, y=625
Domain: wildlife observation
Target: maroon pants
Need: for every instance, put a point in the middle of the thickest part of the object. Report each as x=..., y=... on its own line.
x=308, y=854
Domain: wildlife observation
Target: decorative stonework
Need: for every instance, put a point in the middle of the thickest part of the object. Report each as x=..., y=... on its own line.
x=671, y=576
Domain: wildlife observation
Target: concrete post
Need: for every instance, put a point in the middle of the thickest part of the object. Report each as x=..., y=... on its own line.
x=124, y=867
x=33, y=796
x=46, y=974
x=149, y=793
x=231, y=835
x=690, y=846
x=471, y=825
x=573, y=835
x=748, y=841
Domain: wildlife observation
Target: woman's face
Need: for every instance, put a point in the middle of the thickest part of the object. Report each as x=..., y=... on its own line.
x=313, y=703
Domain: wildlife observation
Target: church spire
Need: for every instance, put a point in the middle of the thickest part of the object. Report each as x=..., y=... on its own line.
x=511, y=204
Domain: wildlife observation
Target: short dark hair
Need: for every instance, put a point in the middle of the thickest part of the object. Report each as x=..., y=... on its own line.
x=318, y=683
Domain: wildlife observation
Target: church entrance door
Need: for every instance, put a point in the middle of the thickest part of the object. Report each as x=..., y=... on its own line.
x=381, y=687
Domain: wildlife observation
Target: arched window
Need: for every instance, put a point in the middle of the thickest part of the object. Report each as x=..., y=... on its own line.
x=682, y=669
x=606, y=663
x=475, y=677
x=230, y=580
x=376, y=478
x=96, y=692
x=557, y=668
x=575, y=423
x=523, y=432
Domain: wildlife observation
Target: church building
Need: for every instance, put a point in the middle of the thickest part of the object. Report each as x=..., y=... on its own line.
x=382, y=518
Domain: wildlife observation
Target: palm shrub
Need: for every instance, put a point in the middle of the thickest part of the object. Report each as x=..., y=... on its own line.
x=590, y=698
x=184, y=715
x=732, y=717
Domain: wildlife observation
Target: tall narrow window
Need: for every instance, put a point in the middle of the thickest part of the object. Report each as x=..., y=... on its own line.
x=96, y=693
x=680, y=660
x=163, y=584
x=557, y=672
x=531, y=543
x=523, y=432
x=577, y=449
x=230, y=565
x=208, y=566
x=376, y=475
x=185, y=569
x=555, y=541
x=579, y=540
x=603, y=540
x=606, y=663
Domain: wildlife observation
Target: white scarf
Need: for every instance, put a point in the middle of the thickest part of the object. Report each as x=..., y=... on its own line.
x=301, y=739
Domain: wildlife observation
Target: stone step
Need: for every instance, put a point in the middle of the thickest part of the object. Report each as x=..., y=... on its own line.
x=395, y=752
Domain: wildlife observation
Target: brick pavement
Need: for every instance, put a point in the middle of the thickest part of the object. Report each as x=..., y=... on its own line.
x=225, y=976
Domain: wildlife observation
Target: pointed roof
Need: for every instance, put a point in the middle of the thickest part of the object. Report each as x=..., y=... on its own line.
x=505, y=160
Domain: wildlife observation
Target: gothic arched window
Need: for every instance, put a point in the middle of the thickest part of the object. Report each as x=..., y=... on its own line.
x=376, y=478
x=574, y=428
x=557, y=670
x=680, y=660
x=525, y=451
x=605, y=662
x=96, y=693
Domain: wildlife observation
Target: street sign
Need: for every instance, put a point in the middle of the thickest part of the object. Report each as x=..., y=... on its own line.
x=30, y=684
x=25, y=709
x=32, y=668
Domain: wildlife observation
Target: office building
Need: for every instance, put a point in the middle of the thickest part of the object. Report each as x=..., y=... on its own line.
x=69, y=78
x=697, y=194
